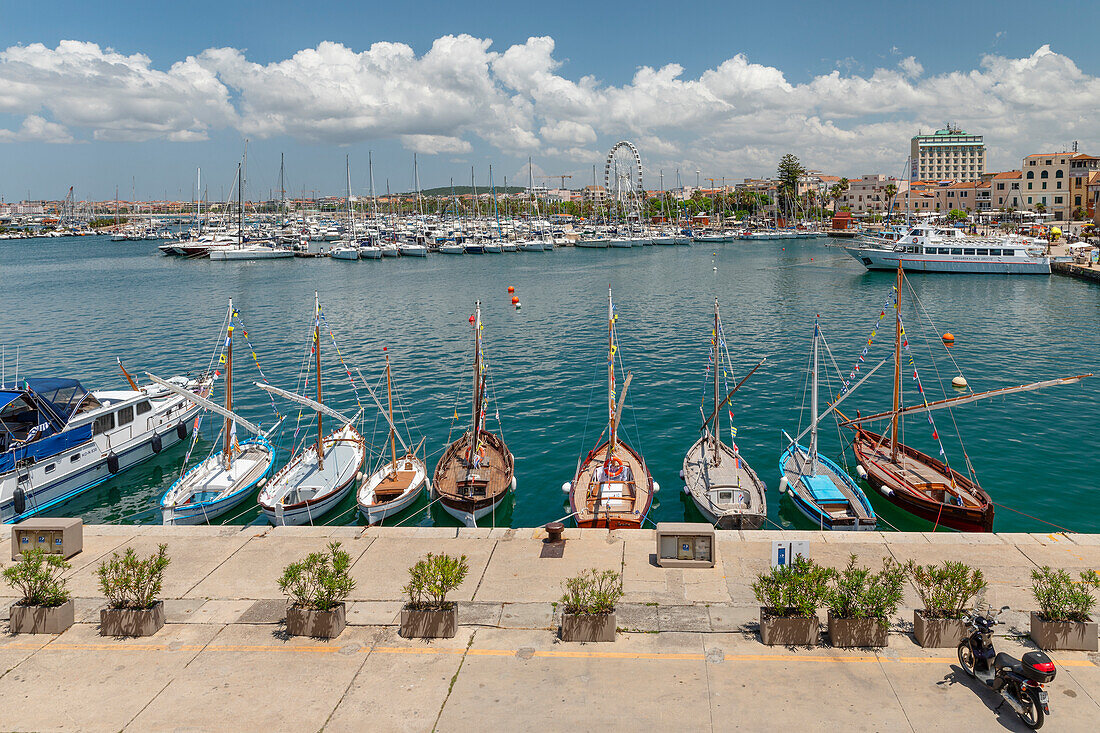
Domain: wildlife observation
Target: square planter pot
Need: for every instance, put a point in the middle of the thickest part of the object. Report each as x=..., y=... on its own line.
x=587, y=627
x=131, y=621
x=42, y=619
x=851, y=632
x=787, y=630
x=311, y=622
x=1067, y=635
x=938, y=633
x=429, y=624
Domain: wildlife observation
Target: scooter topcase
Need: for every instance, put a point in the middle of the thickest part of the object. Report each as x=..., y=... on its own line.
x=1038, y=667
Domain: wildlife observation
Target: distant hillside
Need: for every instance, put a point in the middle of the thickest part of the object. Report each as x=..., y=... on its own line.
x=463, y=190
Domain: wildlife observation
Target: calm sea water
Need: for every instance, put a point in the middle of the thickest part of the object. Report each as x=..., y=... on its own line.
x=73, y=305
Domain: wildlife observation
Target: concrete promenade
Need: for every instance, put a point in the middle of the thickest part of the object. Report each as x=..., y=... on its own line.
x=689, y=659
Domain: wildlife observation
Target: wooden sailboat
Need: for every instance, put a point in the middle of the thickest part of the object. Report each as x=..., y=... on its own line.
x=396, y=484
x=612, y=487
x=914, y=481
x=721, y=483
x=321, y=475
x=477, y=470
x=222, y=481
x=820, y=489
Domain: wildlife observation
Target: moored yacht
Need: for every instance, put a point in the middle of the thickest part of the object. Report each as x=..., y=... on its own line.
x=928, y=248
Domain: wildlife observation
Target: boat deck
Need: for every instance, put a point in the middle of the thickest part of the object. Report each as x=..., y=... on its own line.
x=847, y=504
x=302, y=480
x=460, y=479
x=599, y=497
x=929, y=481
x=248, y=466
x=728, y=489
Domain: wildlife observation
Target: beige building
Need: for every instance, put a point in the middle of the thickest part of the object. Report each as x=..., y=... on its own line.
x=1057, y=182
x=867, y=194
x=1005, y=194
x=950, y=154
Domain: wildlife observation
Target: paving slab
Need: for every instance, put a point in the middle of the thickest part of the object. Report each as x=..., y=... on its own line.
x=730, y=619
x=637, y=683
x=180, y=610
x=272, y=611
x=253, y=570
x=528, y=616
x=82, y=681
x=383, y=570
x=249, y=678
x=14, y=648
x=479, y=613
x=517, y=573
x=402, y=684
x=683, y=618
x=637, y=617
x=221, y=611
x=374, y=613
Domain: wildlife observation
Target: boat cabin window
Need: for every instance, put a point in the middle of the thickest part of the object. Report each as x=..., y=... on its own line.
x=995, y=252
x=74, y=458
x=50, y=468
x=103, y=423
x=983, y=251
x=143, y=407
x=1009, y=253
x=126, y=415
x=725, y=497
x=968, y=251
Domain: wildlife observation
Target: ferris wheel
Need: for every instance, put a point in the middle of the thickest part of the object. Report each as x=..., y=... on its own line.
x=622, y=176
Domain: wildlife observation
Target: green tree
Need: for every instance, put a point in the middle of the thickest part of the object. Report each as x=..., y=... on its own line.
x=789, y=173
x=956, y=215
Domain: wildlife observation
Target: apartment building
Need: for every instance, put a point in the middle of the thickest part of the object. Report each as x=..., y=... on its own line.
x=1082, y=169
x=968, y=196
x=1005, y=192
x=867, y=194
x=947, y=154
x=1053, y=182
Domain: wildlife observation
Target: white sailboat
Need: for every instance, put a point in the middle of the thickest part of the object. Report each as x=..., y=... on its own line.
x=396, y=484
x=226, y=478
x=320, y=476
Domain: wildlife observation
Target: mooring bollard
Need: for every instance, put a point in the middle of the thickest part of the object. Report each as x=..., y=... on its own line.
x=553, y=531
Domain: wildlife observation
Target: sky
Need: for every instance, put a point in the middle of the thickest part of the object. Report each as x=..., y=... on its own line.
x=137, y=96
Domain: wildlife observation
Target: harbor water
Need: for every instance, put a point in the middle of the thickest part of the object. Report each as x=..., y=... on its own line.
x=72, y=306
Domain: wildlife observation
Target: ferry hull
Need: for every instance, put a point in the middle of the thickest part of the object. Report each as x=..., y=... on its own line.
x=887, y=260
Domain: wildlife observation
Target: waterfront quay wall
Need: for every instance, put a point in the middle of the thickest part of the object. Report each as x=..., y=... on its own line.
x=1082, y=272
x=688, y=655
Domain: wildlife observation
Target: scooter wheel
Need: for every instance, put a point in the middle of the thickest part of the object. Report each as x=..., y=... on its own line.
x=1033, y=710
x=966, y=659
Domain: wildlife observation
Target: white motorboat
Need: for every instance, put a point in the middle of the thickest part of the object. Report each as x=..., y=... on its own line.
x=370, y=252
x=412, y=249
x=452, y=248
x=927, y=248
x=344, y=252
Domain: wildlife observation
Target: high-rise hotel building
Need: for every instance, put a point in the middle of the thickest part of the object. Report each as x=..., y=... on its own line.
x=950, y=154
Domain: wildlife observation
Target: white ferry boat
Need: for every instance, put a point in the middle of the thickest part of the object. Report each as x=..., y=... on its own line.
x=927, y=248
x=57, y=439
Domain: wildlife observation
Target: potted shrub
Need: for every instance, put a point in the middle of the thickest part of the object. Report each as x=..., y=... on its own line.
x=46, y=606
x=428, y=614
x=860, y=603
x=132, y=586
x=1063, y=620
x=588, y=605
x=789, y=597
x=945, y=591
x=316, y=589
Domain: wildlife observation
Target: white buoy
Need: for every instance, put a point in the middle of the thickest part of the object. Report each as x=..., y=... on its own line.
x=566, y=487
x=959, y=382
x=783, y=485
x=656, y=487
x=861, y=471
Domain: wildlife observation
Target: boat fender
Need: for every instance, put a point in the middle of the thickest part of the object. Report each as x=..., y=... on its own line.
x=513, y=483
x=656, y=487
x=687, y=490
x=783, y=485
x=181, y=430
x=886, y=491
x=112, y=462
x=20, y=500
x=566, y=487
x=862, y=472
x=359, y=477
x=261, y=482
x=681, y=473
x=156, y=444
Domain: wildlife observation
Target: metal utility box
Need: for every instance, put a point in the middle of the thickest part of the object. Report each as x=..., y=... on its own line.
x=63, y=537
x=785, y=551
x=685, y=545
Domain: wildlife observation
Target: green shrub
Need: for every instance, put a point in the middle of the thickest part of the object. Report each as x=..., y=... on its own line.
x=37, y=576
x=432, y=578
x=794, y=590
x=856, y=592
x=129, y=582
x=1060, y=598
x=593, y=592
x=947, y=589
x=320, y=581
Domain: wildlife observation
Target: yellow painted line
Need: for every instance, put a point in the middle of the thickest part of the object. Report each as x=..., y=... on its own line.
x=413, y=650
x=619, y=655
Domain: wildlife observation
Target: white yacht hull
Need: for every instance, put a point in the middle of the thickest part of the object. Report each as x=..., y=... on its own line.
x=878, y=259
x=301, y=493
x=374, y=512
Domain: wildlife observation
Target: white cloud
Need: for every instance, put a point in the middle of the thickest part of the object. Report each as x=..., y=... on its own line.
x=36, y=129
x=737, y=118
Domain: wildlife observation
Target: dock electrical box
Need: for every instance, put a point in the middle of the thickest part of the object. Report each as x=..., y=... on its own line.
x=685, y=545
x=63, y=537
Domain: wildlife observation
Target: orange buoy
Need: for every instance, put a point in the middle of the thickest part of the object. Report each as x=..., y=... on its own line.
x=949, y=338
x=515, y=299
x=511, y=289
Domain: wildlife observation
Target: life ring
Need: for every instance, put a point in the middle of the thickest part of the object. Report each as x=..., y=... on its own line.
x=613, y=468
x=480, y=452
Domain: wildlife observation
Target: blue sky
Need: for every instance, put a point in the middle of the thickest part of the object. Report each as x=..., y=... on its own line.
x=725, y=88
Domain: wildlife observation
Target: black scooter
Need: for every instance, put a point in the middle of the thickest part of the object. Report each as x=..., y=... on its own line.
x=1019, y=681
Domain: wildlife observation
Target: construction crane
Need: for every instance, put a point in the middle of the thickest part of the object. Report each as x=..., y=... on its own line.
x=551, y=178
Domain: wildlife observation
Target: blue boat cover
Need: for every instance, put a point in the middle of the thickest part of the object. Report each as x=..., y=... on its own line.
x=824, y=490
x=6, y=398
x=43, y=448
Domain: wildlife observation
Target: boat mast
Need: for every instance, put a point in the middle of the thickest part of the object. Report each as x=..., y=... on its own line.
x=240, y=208
x=282, y=198
x=351, y=211
x=611, y=375
x=897, y=369
x=317, y=354
x=813, y=408
x=475, y=432
x=389, y=398
x=227, y=458
x=717, y=397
